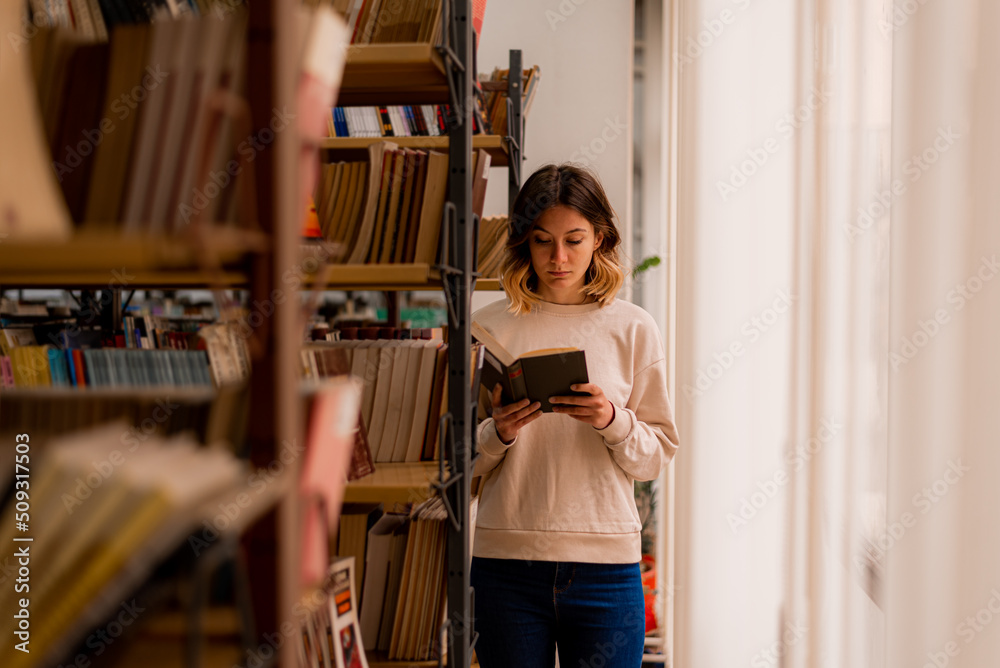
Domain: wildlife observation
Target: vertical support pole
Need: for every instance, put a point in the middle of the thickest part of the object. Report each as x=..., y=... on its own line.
x=515, y=127
x=460, y=338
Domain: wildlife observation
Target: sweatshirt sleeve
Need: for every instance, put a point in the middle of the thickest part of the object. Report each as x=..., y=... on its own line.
x=642, y=436
x=491, y=448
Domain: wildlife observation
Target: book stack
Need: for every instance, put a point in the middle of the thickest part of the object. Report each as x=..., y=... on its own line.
x=389, y=209
x=495, y=101
x=404, y=592
x=106, y=518
x=135, y=143
x=492, y=242
x=404, y=389
x=427, y=120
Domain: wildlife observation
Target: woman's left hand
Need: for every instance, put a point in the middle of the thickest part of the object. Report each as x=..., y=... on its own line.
x=595, y=409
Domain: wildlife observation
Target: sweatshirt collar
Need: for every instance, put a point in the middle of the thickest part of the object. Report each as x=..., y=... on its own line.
x=567, y=309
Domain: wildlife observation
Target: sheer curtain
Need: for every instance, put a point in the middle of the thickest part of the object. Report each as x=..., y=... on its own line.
x=943, y=573
x=782, y=328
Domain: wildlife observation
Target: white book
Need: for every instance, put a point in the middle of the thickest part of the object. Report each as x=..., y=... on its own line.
x=179, y=92
x=373, y=597
x=208, y=72
x=403, y=416
x=380, y=366
x=422, y=400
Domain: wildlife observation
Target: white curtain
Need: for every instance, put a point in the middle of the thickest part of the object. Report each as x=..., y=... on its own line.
x=943, y=573
x=782, y=328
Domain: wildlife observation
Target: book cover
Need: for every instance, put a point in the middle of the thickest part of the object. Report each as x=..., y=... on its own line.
x=536, y=375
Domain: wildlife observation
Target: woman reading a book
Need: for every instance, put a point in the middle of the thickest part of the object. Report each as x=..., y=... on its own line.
x=557, y=543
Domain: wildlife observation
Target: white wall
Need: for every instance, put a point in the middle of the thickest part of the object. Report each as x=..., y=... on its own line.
x=583, y=108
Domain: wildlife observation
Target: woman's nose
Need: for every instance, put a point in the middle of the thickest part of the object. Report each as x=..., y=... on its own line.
x=559, y=253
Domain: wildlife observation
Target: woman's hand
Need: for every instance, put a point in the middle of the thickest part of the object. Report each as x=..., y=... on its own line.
x=595, y=409
x=509, y=419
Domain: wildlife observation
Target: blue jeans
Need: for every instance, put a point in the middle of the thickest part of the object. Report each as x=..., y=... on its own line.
x=523, y=609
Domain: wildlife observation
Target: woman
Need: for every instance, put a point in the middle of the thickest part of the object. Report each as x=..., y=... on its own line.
x=557, y=545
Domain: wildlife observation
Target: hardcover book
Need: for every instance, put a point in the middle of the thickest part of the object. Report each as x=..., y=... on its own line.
x=535, y=375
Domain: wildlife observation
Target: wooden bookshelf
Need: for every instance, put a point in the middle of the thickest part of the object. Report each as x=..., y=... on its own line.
x=378, y=659
x=394, y=483
x=355, y=148
x=402, y=73
x=110, y=259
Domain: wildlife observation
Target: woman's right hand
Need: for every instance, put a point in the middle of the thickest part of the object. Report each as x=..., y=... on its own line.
x=509, y=419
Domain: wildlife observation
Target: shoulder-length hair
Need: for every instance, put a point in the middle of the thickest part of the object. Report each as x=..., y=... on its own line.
x=578, y=189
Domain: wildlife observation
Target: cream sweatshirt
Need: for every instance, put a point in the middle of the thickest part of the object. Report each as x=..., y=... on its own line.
x=563, y=490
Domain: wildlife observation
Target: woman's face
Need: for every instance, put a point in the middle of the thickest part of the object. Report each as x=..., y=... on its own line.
x=562, y=245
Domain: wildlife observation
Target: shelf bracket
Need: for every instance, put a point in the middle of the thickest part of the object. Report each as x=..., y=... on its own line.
x=447, y=443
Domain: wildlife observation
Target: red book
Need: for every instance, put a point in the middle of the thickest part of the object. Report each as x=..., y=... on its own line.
x=80, y=367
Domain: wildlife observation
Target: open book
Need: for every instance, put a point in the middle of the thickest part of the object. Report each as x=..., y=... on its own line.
x=536, y=375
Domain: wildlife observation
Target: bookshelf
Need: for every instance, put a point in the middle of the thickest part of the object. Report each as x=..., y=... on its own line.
x=90, y=259
x=257, y=259
x=394, y=74
x=395, y=483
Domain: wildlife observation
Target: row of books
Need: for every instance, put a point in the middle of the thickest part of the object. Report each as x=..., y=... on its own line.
x=495, y=102
x=130, y=122
x=384, y=21
x=219, y=356
x=403, y=589
x=110, y=515
x=45, y=366
x=493, y=232
x=389, y=209
x=404, y=390
x=428, y=120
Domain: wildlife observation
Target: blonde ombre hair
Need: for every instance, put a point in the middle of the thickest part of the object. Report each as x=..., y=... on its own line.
x=578, y=189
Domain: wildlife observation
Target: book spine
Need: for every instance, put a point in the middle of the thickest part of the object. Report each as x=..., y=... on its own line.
x=386, y=122
x=515, y=375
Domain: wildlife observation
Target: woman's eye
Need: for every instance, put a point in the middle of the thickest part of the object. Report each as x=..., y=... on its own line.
x=541, y=241
x=575, y=242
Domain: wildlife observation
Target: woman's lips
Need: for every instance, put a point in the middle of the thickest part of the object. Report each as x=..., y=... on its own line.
x=558, y=274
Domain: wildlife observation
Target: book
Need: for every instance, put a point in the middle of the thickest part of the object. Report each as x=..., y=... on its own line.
x=535, y=375
x=329, y=445
x=356, y=519
x=377, y=564
x=30, y=200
